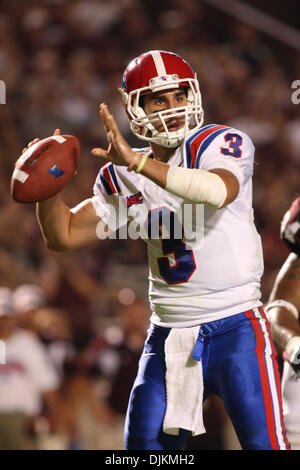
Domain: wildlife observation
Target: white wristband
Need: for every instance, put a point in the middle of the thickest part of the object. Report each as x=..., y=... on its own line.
x=198, y=186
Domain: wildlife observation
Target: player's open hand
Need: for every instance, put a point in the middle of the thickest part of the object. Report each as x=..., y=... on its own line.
x=119, y=151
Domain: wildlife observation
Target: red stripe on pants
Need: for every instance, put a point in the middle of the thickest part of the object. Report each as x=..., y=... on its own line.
x=277, y=376
x=260, y=353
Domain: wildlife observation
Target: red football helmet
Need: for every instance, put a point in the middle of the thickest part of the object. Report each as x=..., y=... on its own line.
x=158, y=71
x=290, y=227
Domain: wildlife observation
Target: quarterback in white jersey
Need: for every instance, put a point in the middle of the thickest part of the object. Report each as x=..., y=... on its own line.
x=283, y=311
x=219, y=277
x=208, y=332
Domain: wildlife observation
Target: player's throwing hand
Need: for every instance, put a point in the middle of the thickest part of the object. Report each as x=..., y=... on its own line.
x=34, y=141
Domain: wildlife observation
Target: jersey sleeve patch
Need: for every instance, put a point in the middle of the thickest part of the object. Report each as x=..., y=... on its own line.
x=108, y=179
x=198, y=143
x=234, y=142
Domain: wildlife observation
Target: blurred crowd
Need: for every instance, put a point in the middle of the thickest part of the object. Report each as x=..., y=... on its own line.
x=87, y=311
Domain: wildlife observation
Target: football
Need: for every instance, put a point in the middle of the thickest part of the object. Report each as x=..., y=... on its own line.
x=45, y=168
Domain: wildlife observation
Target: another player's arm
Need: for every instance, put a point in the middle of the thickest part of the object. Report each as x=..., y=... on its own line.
x=284, y=320
x=66, y=229
x=282, y=310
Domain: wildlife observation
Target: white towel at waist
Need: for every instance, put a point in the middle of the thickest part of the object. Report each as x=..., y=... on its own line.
x=184, y=383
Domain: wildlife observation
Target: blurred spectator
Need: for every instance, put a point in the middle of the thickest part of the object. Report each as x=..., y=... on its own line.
x=93, y=18
x=97, y=385
x=28, y=381
x=73, y=289
x=27, y=299
x=87, y=420
x=132, y=321
x=248, y=46
x=53, y=329
x=114, y=353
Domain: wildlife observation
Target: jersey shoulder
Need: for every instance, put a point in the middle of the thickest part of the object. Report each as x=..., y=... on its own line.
x=107, y=179
x=221, y=139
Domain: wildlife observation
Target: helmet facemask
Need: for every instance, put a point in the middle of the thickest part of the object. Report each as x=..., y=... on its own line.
x=145, y=126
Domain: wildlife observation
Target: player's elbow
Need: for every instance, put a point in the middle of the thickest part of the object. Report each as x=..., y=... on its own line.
x=231, y=185
x=57, y=245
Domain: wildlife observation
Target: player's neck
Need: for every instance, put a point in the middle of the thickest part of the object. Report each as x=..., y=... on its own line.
x=160, y=153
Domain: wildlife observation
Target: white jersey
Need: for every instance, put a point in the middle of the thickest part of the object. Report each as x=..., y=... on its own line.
x=192, y=283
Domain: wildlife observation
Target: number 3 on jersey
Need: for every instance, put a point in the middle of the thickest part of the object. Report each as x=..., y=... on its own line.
x=185, y=264
x=235, y=142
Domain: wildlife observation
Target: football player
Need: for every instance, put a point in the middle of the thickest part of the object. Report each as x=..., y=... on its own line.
x=208, y=332
x=283, y=312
